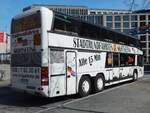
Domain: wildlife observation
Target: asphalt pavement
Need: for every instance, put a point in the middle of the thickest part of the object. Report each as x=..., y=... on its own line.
x=129, y=97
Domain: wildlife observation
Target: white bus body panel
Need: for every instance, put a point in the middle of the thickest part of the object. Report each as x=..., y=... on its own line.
x=88, y=65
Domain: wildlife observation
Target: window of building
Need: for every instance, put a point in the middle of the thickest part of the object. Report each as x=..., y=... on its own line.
x=148, y=17
x=72, y=11
x=109, y=18
x=83, y=12
x=126, y=31
x=133, y=17
x=77, y=13
x=142, y=24
x=99, y=13
x=117, y=25
x=125, y=18
x=142, y=17
x=126, y=24
x=117, y=18
x=115, y=59
x=118, y=30
x=149, y=59
x=143, y=44
x=109, y=25
x=115, y=12
x=92, y=13
x=104, y=12
x=98, y=20
x=134, y=24
x=109, y=61
x=149, y=45
x=143, y=38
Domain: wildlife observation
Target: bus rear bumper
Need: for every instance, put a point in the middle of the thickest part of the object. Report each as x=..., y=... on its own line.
x=38, y=92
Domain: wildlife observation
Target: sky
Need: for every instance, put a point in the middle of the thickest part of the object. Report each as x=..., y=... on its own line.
x=10, y=8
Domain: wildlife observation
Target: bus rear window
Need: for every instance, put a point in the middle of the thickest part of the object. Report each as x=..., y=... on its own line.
x=26, y=23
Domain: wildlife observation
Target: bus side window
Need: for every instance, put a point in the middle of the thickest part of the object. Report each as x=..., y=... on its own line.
x=127, y=60
x=131, y=60
x=57, y=56
x=115, y=59
x=65, y=26
x=123, y=60
x=140, y=60
x=57, y=61
x=59, y=25
x=109, y=60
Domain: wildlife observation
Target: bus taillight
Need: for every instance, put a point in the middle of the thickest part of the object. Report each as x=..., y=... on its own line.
x=44, y=76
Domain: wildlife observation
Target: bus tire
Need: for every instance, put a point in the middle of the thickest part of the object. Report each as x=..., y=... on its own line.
x=84, y=86
x=135, y=76
x=99, y=83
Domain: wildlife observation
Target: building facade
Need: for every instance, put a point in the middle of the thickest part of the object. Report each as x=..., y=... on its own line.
x=4, y=56
x=136, y=23
x=107, y=11
x=4, y=48
x=70, y=10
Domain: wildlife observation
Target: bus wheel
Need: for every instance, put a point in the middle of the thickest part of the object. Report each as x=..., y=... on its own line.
x=84, y=86
x=135, y=76
x=99, y=83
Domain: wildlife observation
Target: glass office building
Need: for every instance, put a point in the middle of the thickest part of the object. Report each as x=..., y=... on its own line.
x=94, y=19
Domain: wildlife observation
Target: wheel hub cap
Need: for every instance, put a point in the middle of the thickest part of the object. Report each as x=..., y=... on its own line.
x=99, y=83
x=85, y=86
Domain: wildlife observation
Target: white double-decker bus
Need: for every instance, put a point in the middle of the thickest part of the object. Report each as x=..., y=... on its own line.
x=53, y=54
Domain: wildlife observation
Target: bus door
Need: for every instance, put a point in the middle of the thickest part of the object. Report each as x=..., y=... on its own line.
x=71, y=72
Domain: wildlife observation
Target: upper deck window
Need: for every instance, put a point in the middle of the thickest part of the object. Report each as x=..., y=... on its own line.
x=26, y=23
x=64, y=24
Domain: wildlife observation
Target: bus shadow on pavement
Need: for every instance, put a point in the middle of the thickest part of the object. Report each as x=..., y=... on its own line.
x=10, y=97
